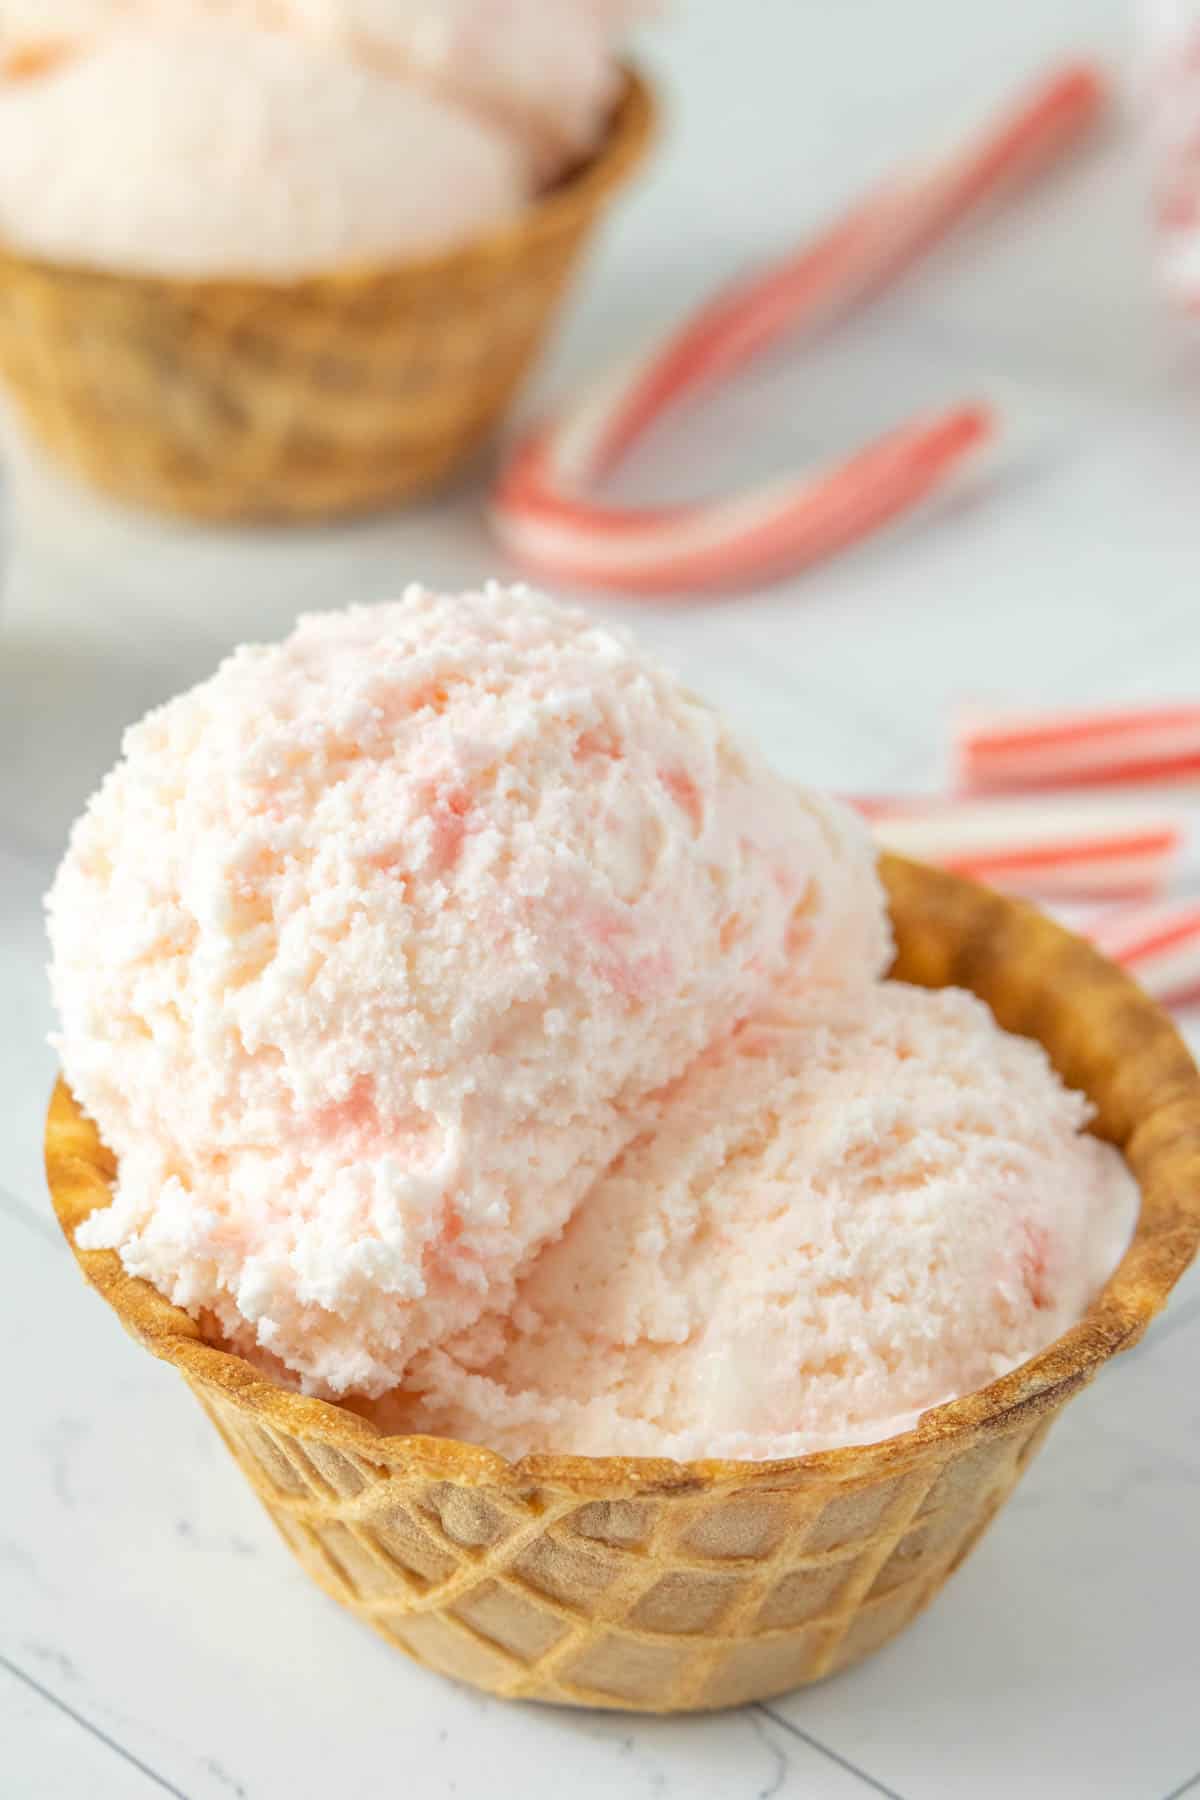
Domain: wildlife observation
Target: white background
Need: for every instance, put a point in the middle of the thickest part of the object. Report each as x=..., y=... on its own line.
x=154, y=1634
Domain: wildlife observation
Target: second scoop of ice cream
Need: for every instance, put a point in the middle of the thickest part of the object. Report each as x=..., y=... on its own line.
x=838, y=1219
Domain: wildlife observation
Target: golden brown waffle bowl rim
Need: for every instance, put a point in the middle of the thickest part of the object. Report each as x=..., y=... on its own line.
x=631, y=129
x=948, y=931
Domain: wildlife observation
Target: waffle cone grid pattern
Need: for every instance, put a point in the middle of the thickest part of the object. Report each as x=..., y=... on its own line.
x=663, y=1586
x=245, y=399
x=678, y=1603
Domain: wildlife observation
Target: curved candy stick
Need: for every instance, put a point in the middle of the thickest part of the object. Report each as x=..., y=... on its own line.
x=539, y=509
x=762, y=533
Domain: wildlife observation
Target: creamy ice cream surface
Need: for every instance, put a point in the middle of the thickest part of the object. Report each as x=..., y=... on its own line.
x=375, y=950
x=835, y=1220
x=487, y=1038
x=282, y=138
x=248, y=153
x=544, y=69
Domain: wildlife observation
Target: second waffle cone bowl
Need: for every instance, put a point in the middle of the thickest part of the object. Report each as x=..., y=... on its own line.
x=246, y=400
x=668, y=1587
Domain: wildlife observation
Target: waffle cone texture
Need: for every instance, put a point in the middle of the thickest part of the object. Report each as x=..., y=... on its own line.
x=663, y=1586
x=247, y=400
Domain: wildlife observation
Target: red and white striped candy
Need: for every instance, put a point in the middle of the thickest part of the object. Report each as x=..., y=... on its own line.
x=1037, y=848
x=754, y=536
x=540, y=510
x=1096, y=747
x=1159, y=945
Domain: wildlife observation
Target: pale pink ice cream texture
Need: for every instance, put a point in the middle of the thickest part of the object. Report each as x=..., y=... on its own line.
x=376, y=949
x=842, y=1215
x=545, y=70
x=281, y=138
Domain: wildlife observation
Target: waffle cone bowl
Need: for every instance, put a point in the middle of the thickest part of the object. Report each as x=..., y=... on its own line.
x=245, y=400
x=662, y=1586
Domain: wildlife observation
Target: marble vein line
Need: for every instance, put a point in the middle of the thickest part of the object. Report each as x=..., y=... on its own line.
x=843, y=1762
x=13, y=1208
x=779, y=1759
x=1189, y=1787
x=102, y=1737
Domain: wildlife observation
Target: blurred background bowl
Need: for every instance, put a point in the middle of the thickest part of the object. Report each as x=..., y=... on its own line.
x=246, y=399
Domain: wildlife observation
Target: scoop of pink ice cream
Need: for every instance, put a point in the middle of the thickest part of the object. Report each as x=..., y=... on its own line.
x=289, y=137
x=371, y=949
x=197, y=149
x=836, y=1220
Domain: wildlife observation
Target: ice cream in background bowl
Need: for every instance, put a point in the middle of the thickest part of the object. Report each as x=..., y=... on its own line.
x=288, y=260
x=482, y=1081
x=225, y=137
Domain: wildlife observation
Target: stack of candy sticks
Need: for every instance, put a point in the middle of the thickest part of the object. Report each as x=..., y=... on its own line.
x=1020, y=821
x=541, y=509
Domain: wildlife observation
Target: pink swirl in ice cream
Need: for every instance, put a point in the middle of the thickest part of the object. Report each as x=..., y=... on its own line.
x=371, y=951
x=836, y=1219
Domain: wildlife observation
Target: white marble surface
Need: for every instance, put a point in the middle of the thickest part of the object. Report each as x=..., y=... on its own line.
x=154, y=1634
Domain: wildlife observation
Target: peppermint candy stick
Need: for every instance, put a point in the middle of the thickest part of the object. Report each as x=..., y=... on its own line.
x=540, y=509
x=1159, y=945
x=1037, y=848
x=1094, y=747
